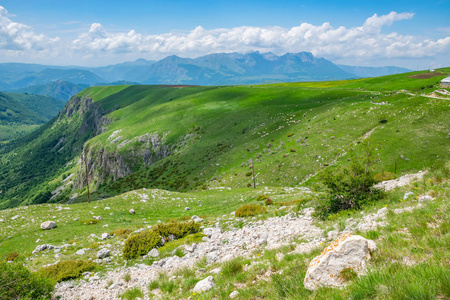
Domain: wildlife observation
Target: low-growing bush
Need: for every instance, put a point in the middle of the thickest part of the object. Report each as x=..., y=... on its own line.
x=140, y=244
x=250, y=210
x=69, y=269
x=176, y=229
x=17, y=282
x=121, y=232
x=89, y=221
x=350, y=186
x=268, y=201
x=12, y=256
x=262, y=197
x=384, y=176
x=248, y=174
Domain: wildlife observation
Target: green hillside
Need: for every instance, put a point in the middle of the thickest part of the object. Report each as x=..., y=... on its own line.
x=185, y=138
x=22, y=113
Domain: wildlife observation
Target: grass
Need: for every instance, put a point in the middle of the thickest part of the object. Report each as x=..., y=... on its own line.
x=132, y=294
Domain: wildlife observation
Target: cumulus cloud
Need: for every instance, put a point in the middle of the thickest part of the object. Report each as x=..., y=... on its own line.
x=19, y=38
x=322, y=40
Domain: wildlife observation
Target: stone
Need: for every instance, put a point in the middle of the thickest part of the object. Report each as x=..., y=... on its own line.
x=15, y=217
x=103, y=253
x=216, y=271
x=204, y=285
x=48, y=225
x=406, y=196
x=211, y=232
x=426, y=198
x=154, y=253
x=42, y=248
x=131, y=211
x=105, y=236
x=234, y=294
x=211, y=257
x=333, y=234
x=197, y=219
x=372, y=246
x=187, y=208
x=97, y=218
x=348, y=251
x=189, y=248
x=38, y=240
x=80, y=252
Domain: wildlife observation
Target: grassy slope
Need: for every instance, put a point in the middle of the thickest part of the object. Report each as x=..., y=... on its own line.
x=308, y=126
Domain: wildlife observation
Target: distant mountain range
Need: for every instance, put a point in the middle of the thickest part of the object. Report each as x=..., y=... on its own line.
x=214, y=69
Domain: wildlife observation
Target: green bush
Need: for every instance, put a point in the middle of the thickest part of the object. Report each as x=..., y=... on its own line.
x=268, y=201
x=89, y=221
x=350, y=186
x=17, y=282
x=69, y=269
x=121, y=232
x=250, y=210
x=12, y=256
x=262, y=197
x=140, y=244
x=176, y=229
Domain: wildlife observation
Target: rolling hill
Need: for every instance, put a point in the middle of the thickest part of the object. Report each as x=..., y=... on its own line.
x=185, y=138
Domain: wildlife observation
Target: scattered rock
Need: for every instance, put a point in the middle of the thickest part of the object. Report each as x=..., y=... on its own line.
x=406, y=195
x=97, y=218
x=48, y=225
x=42, y=248
x=426, y=198
x=15, y=217
x=80, y=252
x=187, y=208
x=372, y=246
x=346, y=252
x=132, y=211
x=105, y=236
x=401, y=181
x=103, y=253
x=234, y=294
x=154, y=253
x=204, y=285
x=197, y=219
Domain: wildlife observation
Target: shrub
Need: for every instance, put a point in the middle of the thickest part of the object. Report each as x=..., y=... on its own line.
x=69, y=269
x=89, y=221
x=250, y=210
x=140, y=244
x=12, y=256
x=132, y=294
x=121, y=232
x=17, y=282
x=350, y=187
x=176, y=229
x=248, y=174
x=384, y=176
x=262, y=197
x=268, y=201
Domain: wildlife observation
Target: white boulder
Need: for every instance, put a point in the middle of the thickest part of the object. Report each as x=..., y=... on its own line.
x=103, y=253
x=348, y=251
x=204, y=285
x=48, y=225
x=131, y=211
x=153, y=253
x=105, y=236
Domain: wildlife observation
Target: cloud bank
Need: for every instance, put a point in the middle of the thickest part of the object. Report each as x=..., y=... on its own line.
x=367, y=41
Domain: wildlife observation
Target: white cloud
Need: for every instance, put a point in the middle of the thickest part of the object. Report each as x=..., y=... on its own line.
x=323, y=40
x=17, y=38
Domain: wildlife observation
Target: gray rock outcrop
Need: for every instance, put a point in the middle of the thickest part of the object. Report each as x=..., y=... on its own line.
x=204, y=285
x=48, y=225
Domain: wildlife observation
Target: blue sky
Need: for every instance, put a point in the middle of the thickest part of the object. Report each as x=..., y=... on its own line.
x=413, y=34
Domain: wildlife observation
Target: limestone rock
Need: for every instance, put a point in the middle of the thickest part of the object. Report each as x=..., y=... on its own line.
x=187, y=208
x=80, y=252
x=103, y=253
x=48, y=225
x=372, y=246
x=234, y=294
x=132, y=211
x=423, y=199
x=153, y=253
x=105, y=236
x=204, y=285
x=348, y=251
x=196, y=219
x=97, y=218
x=42, y=248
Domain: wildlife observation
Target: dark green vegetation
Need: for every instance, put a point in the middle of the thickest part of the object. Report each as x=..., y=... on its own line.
x=141, y=243
x=65, y=270
x=17, y=282
x=350, y=186
x=22, y=113
x=192, y=138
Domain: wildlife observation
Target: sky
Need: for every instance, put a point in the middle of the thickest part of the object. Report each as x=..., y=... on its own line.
x=411, y=34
